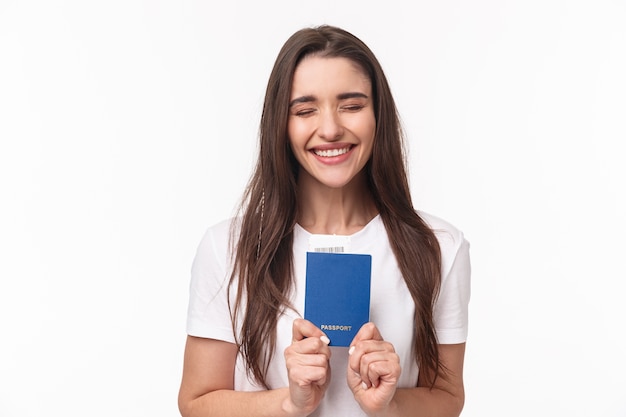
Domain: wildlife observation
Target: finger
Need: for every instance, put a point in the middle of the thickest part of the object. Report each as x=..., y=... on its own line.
x=362, y=355
x=309, y=345
x=294, y=359
x=306, y=369
x=368, y=331
x=311, y=351
x=357, y=351
x=378, y=365
x=302, y=328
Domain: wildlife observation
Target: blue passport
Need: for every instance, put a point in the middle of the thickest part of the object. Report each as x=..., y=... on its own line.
x=337, y=298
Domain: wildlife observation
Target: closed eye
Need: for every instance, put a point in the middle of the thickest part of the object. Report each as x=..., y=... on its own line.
x=352, y=107
x=303, y=112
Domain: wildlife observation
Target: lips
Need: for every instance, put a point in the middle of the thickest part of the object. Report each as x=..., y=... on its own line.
x=330, y=153
x=333, y=154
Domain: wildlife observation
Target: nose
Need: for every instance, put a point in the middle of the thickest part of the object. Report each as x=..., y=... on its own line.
x=330, y=127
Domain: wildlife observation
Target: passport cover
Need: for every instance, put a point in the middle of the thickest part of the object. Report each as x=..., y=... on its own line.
x=337, y=297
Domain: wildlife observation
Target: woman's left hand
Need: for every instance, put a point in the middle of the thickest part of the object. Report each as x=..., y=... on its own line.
x=373, y=370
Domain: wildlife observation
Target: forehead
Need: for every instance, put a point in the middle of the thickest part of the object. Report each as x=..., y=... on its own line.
x=316, y=74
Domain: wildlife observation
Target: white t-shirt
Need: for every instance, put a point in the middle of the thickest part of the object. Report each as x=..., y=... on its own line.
x=391, y=306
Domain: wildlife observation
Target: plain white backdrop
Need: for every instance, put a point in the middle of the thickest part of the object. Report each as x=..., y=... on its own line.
x=129, y=127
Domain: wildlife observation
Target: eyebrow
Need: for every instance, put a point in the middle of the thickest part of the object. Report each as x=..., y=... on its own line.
x=342, y=96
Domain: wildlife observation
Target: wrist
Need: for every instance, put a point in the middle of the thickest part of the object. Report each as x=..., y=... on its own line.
x=390, y=410
x=289, y=409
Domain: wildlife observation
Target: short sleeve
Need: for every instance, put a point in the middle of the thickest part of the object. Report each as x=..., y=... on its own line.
x=208, y=313
x=451, y=308
x=450, y=314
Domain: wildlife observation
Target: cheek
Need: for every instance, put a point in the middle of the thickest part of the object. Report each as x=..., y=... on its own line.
x=372, y=128
x=297, y=131
x=365, y=129
x=369, y=132
x=291, y=134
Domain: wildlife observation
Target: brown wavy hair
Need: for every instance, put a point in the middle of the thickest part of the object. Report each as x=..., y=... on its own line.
x=263, y=238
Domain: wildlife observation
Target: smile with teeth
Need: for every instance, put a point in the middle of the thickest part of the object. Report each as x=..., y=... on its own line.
x=329, y=153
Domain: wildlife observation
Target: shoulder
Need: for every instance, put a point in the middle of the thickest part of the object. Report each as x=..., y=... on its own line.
x=215, y=244
x=446, y=232
x=222, y=230
x=452, y=240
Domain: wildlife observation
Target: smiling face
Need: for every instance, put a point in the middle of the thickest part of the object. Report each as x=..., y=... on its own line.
x=331, y=123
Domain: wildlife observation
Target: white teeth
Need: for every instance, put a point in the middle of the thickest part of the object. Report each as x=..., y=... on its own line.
x=331, y=152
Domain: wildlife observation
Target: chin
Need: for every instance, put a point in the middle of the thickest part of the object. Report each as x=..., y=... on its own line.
x=335, y=184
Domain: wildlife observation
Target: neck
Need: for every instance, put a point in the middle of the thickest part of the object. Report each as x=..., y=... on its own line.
x=340, y=211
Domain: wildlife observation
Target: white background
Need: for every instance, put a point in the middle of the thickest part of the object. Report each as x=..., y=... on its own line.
x=128, y=127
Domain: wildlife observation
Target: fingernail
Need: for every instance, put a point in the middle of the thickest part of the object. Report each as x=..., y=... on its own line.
x=363, y=385
x=351, y=350
x=325, y=339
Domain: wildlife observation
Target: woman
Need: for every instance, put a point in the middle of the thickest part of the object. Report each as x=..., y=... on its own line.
x=331, y=163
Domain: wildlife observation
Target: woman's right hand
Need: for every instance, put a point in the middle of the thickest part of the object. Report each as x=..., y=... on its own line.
x=308, y=367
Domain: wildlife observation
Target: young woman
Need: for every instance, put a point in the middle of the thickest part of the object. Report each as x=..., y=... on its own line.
x=331, y=163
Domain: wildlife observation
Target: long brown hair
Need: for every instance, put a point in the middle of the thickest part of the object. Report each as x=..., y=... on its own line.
x=263, y=238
